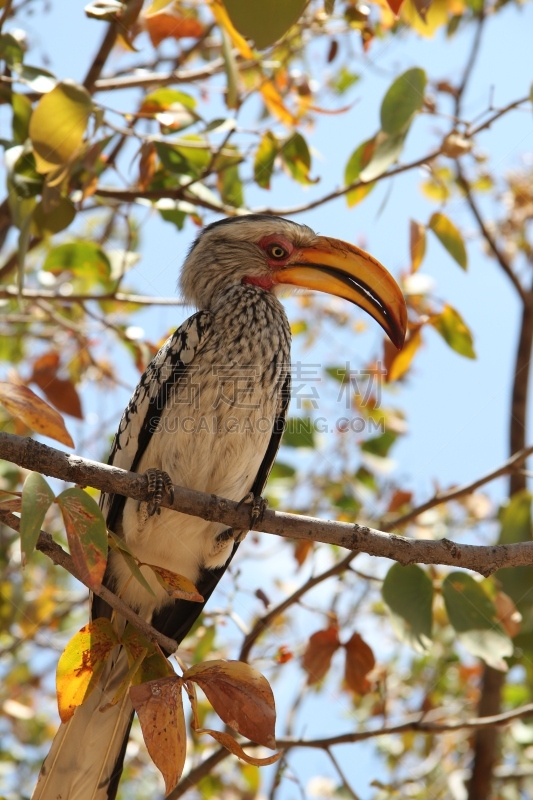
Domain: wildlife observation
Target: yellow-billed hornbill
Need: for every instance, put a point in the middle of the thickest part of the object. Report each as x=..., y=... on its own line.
x=209, y=412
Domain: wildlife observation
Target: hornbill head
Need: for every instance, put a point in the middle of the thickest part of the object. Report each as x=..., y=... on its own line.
x=271, y=252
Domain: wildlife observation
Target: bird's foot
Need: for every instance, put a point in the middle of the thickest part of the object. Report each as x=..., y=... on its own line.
x=159, y=483
x=259, y=506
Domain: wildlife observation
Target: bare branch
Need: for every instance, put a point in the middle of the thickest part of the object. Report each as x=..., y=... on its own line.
x=146, y=80
x=118, y=297
x=511, y=466
x=484, y=559
x=46, y=545
x=417, y=723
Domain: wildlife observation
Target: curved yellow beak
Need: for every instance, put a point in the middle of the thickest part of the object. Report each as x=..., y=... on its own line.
x=341, y=269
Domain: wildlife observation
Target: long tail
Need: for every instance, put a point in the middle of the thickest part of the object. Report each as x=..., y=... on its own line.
x=85, y=761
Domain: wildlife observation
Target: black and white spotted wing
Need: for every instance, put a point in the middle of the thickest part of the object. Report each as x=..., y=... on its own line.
x=144, y=410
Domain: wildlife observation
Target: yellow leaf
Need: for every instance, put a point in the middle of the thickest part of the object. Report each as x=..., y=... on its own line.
x=417, y=243
x=222, y=18
x=81, y=665
x=403, y=358
x=177, y=586
x=436, y=17
x=58, y=124
x=24, y=404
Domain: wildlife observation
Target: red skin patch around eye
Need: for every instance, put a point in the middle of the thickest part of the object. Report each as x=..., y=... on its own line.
x=265, y=281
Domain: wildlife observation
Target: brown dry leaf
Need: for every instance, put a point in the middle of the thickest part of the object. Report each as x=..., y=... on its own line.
x=61, y=393
x=178, y=586
x=399, y=499
x=234, y=747
x=240, y=695
x=25, y=405
x=147, y=165
x=159, y=707
x=508, y=615
x=168, y=22
x=10, y=501
x=319, y=652
x=359, y=662
x=302, y=549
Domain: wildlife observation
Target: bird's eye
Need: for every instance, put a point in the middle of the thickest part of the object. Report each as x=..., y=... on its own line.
x=277, y=251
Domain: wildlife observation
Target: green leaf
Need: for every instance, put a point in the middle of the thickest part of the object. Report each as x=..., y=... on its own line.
x=380, y=445
x=37, y=497
x=22, y=110
x=55, y=220
x=408, y=593
x=359, y=159
x=473, y=616
x=454, y=331
x=10, y=50
x=517, y=582
x=120, y=546
x=344, y=80
x=299, y=432
x=58, y=124
x=386, y=152
x=515, y=519
x=228, y=179
x=231, y=70
x=264, y=160
x=37, y=79
x=297, y=158
x=165, y=99
x=86, y=534
x=264, y=21
x=83, y=259
x=281, y=471
x=104, y=9
x=81, y=664
x=449, y=237
x=403, y=99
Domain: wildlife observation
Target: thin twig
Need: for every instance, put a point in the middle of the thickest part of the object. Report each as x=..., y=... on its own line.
x=118, y=297
x=489, y=238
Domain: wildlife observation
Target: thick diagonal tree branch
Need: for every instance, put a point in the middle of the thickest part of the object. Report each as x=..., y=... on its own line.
x=358, y=538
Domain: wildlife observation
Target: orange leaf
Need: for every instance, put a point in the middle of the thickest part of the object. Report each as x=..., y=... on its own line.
x=399, y=499
x=417, y=243
x=159, y=707
x=508, y=615
x=86, y=534
x=81, y=665
x=319, y=652
x=223, y=20
x=147, y=165
x=240, y=695
x=274, y=103
x=169, y=23
x=178, y=586
x=302, y=549
x=24, y=404
x=234, y=747
x=359, y=662
x=395, y=6
x=61, y=393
